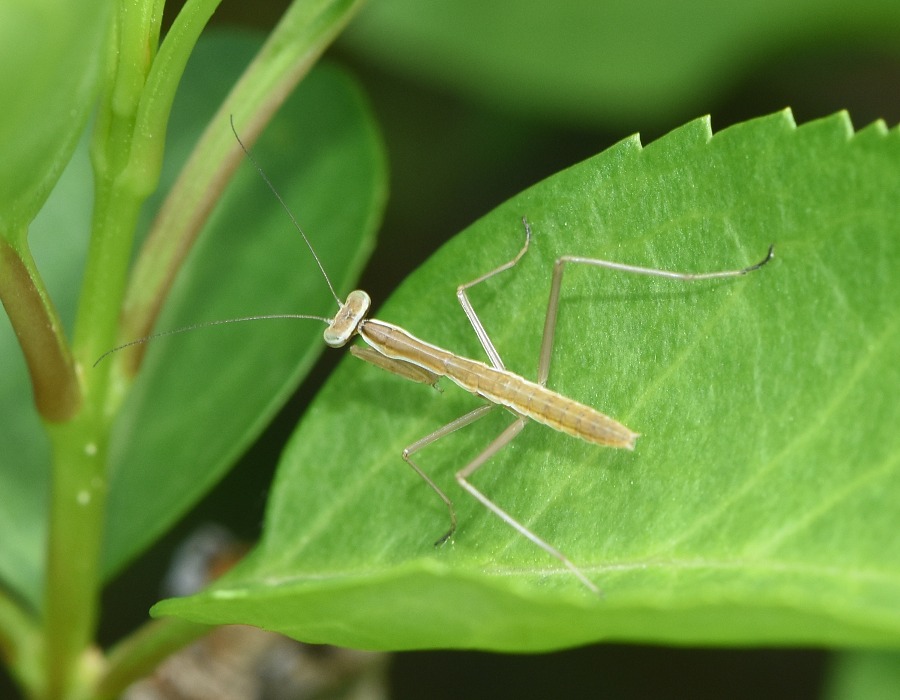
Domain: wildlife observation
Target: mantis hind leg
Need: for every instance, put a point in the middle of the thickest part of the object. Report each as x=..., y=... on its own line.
x=556, y=285
x=462, y=476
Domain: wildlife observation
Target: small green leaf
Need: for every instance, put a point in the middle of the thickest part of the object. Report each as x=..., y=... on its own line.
x=591, y=62
x=760, y=503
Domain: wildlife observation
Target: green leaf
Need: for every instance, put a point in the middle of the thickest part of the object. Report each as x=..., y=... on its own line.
x=588, y=61
x=760, y=503
x=50, y=54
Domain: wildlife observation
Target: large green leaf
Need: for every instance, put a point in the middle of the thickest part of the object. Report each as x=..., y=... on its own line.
x=591, y=61
x=760, y=503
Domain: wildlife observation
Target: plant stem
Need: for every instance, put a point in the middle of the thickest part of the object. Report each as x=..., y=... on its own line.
x=77, y=508
x=79, y=475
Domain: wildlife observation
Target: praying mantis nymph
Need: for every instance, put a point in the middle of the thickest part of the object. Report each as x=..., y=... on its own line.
x=392, y=348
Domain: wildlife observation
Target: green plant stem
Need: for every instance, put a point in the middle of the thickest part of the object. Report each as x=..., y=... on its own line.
x=79, y=478
x=127, y=154
x=77, y=507
x=140, y=652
